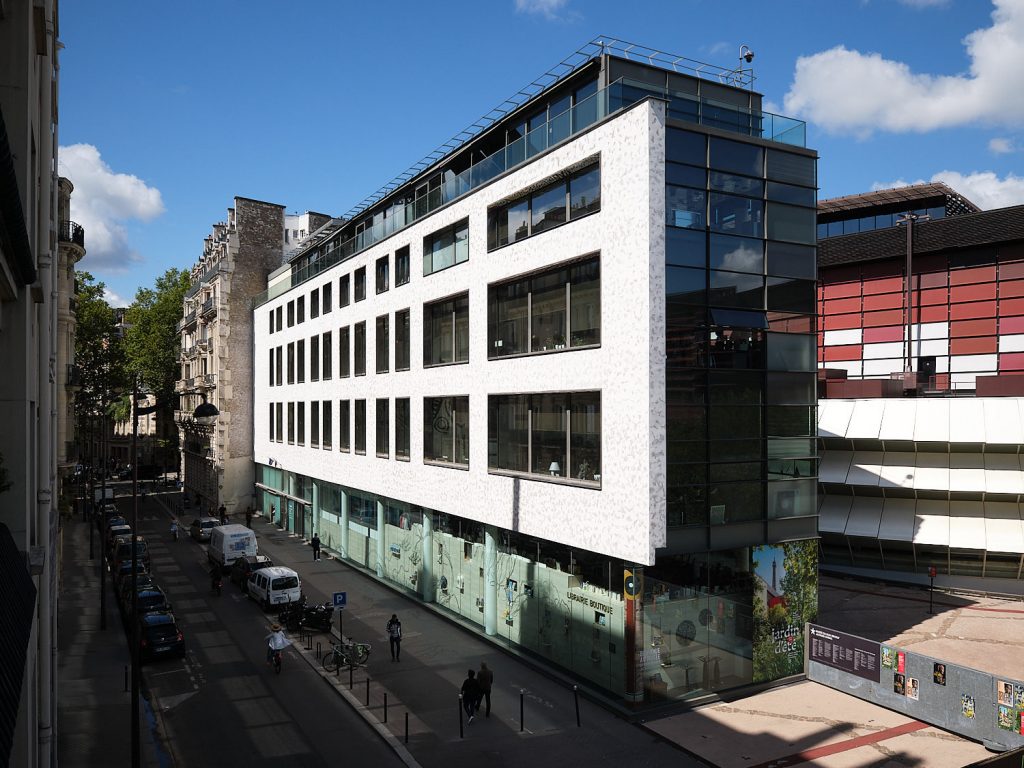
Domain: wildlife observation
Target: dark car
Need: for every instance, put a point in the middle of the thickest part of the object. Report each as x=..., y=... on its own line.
x=159, y=636
x=244, y=567
x=124, y=590
x=123, y=550
x=123, y=572
x=150, y=599
x=201, y=528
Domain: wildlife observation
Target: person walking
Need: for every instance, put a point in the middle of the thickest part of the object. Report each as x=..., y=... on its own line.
x=485, y=678
x=470, y=694
x=248, y=517
x=394, y=630
x=223, y=512
x=316, y=547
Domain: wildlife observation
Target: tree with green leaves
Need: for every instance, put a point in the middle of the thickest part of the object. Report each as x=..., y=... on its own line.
x=152, y=339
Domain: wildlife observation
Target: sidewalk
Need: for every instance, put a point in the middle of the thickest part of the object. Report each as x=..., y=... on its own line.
x=94, y=703
x=801, y=724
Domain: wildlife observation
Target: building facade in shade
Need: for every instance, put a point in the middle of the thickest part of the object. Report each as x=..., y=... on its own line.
x=30, y=263
x=560, y=381
x=216, y=348
x=920, y=442
x=71, y=239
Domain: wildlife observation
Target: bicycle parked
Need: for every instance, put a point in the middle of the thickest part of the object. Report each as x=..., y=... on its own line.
x=346, y=653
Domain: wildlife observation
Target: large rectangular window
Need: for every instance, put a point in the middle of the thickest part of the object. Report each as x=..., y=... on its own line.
x=402, y=428
x=280, y=422
x=314, y=303
x=554, y=435
x=402, y=266
x=291, y=422
x=271, y=422
x=328, y=299
x=343, y=290
x=271, y=350
x=360, y=349
x=328, y=352
x=446, y=248
x=383, y=274
x=291, y=363
x=360, y=289
x=277, y=313
x=291, y=313
x=327, y=425
x=314, y=358
x=382, y=343
x=300, y=361
x=279, y=366
x=550, y=206
x=551, y=310
x=446, y=430
x=382, y=427
x=314, y=422
x=344, y=425
x=402, y=347
x=344, y=353
x=360, y=426
x=300, y=429
x=446, y=331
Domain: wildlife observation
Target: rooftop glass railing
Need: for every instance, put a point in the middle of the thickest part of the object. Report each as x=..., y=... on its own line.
x=614, y=98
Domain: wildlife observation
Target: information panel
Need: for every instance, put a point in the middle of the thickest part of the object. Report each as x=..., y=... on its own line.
x=846, y=652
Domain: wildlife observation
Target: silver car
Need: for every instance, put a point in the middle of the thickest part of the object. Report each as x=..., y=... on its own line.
x=202, y=527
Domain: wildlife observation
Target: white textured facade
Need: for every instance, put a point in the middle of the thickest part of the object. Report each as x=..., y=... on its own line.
x=623, y=518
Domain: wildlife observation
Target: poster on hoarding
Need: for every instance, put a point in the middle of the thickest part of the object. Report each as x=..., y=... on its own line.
x=785, y=596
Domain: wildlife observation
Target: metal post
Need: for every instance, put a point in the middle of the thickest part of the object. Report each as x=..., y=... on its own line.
x=103, y=497
x=461, y=733
x=576, y=698
x=136, y=753
x=385, y=705
x=367, y=691
x=406, y=727
x=349, y=675
x=522, y=695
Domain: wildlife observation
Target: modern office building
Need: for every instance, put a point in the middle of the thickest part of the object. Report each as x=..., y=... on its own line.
x=559, y=378
x=921, y=419
x=30, y=262
x=216, y=347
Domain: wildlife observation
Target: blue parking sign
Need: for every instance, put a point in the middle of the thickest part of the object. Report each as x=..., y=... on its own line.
x=340, y=599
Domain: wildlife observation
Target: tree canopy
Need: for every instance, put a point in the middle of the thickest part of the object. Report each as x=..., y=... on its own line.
x=99, y=348
x=152, y=340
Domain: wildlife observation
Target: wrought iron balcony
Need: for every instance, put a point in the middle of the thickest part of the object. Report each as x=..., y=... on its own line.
x=181, y=385
x=70, y=232
x=187, y=321
x=202, y=346
x=209, y=308
x=74, y=380
x=206, y=380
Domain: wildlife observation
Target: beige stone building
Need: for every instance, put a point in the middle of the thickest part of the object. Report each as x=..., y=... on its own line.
x=216, y=347
x=71, y=237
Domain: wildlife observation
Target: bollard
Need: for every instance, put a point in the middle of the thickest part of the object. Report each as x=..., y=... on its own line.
x=349, y=677
x=318, y=651
x=385, y=707
x=367, y=691
x=576, y=697
x=461, y=734
x=522, y=695
x=126, y=678
x=406, y=727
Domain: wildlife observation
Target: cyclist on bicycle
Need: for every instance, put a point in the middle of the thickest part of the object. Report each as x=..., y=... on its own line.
x=174, y=529
x=276, y=641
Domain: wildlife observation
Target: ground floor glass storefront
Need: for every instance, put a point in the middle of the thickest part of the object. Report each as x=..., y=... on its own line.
x=688, y=626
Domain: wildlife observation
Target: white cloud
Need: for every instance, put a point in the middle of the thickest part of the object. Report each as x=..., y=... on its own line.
x=846, y=91
x=1000, y=146
x=983, y=188
x=102, y=202
x=547, y=8
x=113, y=299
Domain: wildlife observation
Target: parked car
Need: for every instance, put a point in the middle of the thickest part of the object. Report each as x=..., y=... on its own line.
x=274, y=586
x=244, y=567
x=150, y=599
x=113, y=532
x=201, y=528
x=124, y=589
x=123, y=550
x=159, y=636
x=116, y=520
x=123, y=572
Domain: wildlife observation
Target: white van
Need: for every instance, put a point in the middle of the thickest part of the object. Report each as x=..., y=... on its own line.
x=274, y=586
x=230, y=542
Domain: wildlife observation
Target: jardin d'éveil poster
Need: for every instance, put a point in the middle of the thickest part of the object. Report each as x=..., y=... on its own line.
x=785, y=596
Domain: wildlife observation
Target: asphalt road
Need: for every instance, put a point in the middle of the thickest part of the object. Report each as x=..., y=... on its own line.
x=222, y=704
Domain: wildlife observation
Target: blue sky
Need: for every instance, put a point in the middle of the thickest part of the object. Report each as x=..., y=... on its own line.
x=169, y=110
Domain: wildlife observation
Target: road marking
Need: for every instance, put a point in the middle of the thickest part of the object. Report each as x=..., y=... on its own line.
x=809, y=755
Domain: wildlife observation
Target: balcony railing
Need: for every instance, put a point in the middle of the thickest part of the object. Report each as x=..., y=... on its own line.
x=187, y=320
x=70, y=232
x=202, y=346
x=606, y=102
x=181, y=385
x=209, y=308
x=206, y=380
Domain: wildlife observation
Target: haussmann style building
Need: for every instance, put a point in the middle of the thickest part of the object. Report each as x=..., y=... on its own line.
x=559, y=379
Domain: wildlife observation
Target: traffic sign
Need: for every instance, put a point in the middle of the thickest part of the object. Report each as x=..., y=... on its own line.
x=340, y=599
